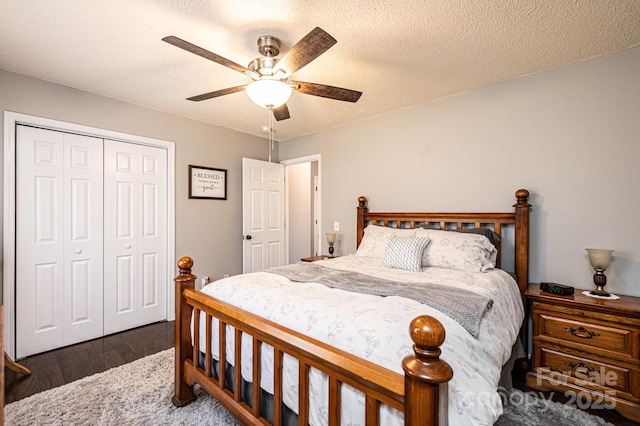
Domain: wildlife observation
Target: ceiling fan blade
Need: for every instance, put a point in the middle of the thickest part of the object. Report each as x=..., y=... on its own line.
x=216, y=93
x=306, y=50
x=331, y=92
x=189, y=47
x=281, y=113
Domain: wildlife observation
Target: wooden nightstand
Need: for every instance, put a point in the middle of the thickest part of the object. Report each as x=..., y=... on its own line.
x=588, y=348
x=314, y=258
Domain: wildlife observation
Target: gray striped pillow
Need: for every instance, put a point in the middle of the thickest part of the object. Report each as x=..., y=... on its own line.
x=404, y=253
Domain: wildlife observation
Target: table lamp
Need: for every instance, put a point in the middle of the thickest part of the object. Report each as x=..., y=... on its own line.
x=600, y=260
x=331, y=239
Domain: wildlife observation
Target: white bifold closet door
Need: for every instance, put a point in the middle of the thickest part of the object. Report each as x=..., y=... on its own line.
x=91, y=238
x=135, y=229
x=59, y=262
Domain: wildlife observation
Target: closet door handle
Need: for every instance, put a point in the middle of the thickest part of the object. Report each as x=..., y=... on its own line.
x=78, y=251
x=127, y=246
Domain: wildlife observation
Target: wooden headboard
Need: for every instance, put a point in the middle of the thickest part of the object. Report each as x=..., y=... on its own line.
x=519, y=218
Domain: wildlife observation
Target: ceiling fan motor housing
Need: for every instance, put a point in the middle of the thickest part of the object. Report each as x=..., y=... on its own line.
x=269, y=46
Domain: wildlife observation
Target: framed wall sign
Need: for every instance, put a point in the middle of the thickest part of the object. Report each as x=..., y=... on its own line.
x=207, y=183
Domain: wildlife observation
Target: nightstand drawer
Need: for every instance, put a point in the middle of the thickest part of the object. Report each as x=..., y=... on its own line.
x=588, y=373
x=617, y=338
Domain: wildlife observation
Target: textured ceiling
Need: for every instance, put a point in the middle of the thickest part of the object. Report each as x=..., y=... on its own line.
x=397, y=52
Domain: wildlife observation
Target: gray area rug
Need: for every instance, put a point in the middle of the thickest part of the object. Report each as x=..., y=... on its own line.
x=112, y=398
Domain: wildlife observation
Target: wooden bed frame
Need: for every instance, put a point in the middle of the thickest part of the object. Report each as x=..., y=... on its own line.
x=421, y=393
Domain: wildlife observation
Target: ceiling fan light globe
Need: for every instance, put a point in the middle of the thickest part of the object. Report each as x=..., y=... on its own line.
x=269, y=93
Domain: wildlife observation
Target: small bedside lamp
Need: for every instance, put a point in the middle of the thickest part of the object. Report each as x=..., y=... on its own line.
x=331, y=239
x=600, y=260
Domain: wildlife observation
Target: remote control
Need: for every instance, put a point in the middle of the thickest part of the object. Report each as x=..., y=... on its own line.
x=556, y=288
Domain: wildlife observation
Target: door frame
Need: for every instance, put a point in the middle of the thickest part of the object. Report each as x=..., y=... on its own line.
x=299, y=160
x=11, y=120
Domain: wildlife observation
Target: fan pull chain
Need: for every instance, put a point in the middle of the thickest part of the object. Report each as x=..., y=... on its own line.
x=270, y=112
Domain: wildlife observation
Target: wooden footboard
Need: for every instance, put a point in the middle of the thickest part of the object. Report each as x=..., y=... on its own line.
x=420, y=393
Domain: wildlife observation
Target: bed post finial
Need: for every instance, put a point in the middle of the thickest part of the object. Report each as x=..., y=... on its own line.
x=522, y=195
x=184, y=265
x=521, y=246
x=183, y=393
x=426, y=374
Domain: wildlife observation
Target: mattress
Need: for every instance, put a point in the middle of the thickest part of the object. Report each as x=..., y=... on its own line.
x=376, y=328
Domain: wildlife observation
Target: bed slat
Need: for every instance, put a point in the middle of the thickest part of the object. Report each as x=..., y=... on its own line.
x=222, y=353
x=372, y=411
x=237, y=377
x=277, y=387
x=303, y=394
x=255, y=386
x=196, y=335
x=207, y=356
x=334, y=401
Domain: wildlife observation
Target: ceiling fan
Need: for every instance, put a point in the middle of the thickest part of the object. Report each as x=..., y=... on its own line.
x=271, y=86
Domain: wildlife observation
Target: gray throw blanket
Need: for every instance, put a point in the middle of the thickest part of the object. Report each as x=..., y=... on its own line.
x=464, y=306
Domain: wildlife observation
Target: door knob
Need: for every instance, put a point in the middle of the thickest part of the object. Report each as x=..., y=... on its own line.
x=78, y=251
x=248, y=237
x=127, y=246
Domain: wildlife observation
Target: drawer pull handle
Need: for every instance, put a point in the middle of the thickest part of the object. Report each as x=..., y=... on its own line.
x=580, y=367
x=582, y=332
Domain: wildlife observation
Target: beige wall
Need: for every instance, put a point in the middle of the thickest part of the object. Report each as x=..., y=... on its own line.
x=208, y=230
x=570, y=135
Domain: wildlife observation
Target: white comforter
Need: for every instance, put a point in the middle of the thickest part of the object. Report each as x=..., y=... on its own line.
x=376, y=328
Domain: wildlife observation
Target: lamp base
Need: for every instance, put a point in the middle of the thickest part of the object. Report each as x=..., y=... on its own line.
x=600, y=280
x=600, y=292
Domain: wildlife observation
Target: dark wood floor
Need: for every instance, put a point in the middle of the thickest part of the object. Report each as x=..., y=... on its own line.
x=58, y=367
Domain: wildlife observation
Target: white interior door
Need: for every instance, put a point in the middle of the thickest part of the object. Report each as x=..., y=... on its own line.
x=262, y=215
x=135, y=235
x=58, y=239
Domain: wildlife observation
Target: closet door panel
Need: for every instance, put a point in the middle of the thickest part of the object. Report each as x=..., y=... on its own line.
x=39, y=244
x=58, y=239
x=83, y=242
x=120, y=242
x=152, y=231
x=135, y=235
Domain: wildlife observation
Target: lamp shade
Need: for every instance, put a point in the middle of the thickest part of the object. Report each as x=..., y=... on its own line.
x=331, y=237
x=268, y=93
x=599, y=258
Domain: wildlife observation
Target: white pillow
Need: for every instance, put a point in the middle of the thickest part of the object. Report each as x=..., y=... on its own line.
x=455, y=250
x=404, y=253
x=375, y=239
